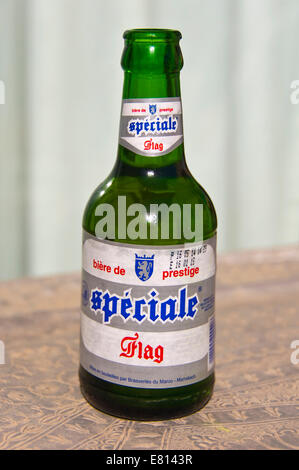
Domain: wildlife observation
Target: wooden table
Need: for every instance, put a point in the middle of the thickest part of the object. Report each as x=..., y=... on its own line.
x=256, y=400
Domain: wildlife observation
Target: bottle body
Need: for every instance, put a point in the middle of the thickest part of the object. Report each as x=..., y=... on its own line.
x=147, y=325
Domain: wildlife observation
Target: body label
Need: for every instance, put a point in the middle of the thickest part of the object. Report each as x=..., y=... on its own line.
x=148, y=312
x=151, y=127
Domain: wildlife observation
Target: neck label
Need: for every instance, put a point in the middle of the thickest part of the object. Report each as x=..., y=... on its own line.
x=151, y=127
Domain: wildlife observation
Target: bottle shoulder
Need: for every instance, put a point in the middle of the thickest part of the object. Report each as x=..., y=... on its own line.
x=150, y=189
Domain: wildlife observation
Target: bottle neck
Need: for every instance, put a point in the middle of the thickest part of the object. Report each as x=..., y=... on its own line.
x=151, y=86
x=151, y=107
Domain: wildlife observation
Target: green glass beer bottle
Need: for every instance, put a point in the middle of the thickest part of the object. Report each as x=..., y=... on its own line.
x=149, y=254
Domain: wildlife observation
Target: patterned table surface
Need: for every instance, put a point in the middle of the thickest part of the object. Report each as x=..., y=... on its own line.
x=256, y=401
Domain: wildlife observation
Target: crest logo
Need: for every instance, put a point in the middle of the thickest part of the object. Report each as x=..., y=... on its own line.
x=144, y=266
x=152, y=109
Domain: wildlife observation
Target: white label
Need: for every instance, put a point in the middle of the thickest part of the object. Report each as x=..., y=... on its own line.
x=148, y=312
x=150, y=266
x=151, y=127
x=145, y=348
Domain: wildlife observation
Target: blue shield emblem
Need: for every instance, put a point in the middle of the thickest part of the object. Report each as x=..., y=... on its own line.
x=144, y=266
x=153, y=108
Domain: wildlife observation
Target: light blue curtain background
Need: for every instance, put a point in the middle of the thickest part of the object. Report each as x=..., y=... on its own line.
x=59, y=60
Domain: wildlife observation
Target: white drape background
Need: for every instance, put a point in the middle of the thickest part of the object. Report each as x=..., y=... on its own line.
x=59, y=60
